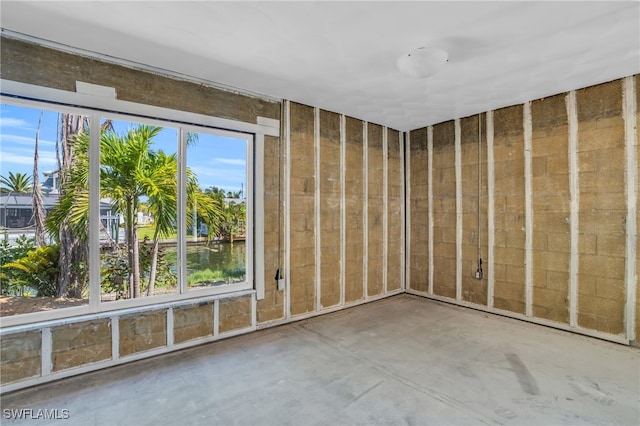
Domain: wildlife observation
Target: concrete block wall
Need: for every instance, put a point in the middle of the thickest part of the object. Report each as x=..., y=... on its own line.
x=551, y=201
x=444, y=233
x=558, y=210
x=354, y=210
x=333, y=196
x=473, y=163
x=47, y=351
x=334, y=204
x=395, y=211
x=340, y=239
x=418, y=215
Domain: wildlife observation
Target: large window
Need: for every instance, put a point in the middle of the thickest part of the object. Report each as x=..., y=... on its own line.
x=103, y=211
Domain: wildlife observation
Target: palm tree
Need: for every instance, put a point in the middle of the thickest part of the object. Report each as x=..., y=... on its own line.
x=39, y=213
x=73, y=242
x=16, y=183
x=130, y=170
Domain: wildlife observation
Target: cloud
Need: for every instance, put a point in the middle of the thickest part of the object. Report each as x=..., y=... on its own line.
x=231, y=161
x=26, y=160
x=23, y=140
x=14, y=122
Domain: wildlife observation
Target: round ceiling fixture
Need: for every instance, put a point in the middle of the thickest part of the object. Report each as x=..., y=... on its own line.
x=422, y=62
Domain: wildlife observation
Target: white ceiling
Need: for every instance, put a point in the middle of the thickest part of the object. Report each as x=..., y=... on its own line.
x=341, y=56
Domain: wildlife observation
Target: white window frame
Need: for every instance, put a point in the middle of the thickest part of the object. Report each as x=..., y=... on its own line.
x=104, y=104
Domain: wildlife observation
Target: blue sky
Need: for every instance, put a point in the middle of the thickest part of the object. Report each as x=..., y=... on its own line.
x=216, y=160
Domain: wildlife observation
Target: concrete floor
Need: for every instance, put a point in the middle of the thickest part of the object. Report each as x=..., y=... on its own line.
x=402, y=360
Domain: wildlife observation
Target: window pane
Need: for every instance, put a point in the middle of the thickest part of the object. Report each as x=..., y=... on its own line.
x=138, y=210
x=217, y=205
x=43, y=248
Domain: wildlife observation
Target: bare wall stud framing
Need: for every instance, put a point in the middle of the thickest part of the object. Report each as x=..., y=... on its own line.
x=45, y=352
x=287, y=209
x=365, y=207
x=385, y=207
x=490, y=211
x=528, y=211
x=343, y=214
x=407, y=204
x=574, y=191
x=458, y=171
x=430, y=204
x=403, y=203
x=317, y=239
x=631, y=147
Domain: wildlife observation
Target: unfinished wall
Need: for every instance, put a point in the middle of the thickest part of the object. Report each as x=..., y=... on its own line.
x=551, y=208
x=20, y=356
x=80, y=343
x=354, y=210
x=192, y=322
x=444, y=210
x=272, y=306
x=508, y=262
x=602, y=210
x=473, y=188
x=418, y=215
x=142, y=331
x=330, y=193
x=395, y=216
x=302, y=272
x=375, y=209
x=339, y=225
x=560, y=177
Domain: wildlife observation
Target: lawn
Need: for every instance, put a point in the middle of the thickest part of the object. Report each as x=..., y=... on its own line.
x=148, y=230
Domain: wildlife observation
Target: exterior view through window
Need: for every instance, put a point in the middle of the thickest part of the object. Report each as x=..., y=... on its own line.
x=45, y=201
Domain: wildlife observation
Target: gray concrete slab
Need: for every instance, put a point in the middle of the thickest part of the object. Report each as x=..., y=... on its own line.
x=403, y=360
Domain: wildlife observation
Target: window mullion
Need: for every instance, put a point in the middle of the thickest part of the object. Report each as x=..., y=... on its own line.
x=182, y=211
x=94, y=212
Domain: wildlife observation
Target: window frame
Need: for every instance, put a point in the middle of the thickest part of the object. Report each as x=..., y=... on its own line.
x=97, y=106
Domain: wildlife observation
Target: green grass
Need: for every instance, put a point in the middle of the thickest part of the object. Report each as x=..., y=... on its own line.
x=208, y=276
x=148, y=230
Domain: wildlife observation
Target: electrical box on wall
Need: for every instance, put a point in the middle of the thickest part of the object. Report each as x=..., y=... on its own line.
x=280, y=280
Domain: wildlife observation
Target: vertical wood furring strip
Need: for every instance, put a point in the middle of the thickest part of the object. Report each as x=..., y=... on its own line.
x=528, y=211
x=490, y=211
x=385, y=208
x=458, y=173
x=317, y=239
x=403, y=203
x=365, y=207
x=115, y=338
x=46, y=350
x=343, y=204
x=170, y=327
x=574, y=191
x=430, y=205
x=630, y=110
x=287, y=210
x=407, y=220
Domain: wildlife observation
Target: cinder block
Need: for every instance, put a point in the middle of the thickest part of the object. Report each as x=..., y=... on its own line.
x=234, y=313
x=76, y=344
x=602, y=266
x=548, y=113
x=600, y=101
x=192, y=322
x=20, y=355
x=142, y=331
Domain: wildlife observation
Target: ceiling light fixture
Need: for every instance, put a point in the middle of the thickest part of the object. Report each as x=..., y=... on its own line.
x=422, y=62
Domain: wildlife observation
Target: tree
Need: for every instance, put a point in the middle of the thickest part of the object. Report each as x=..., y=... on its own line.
x=39, y=213
x=16, y=183
x=71, y=236
x=130, y=171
